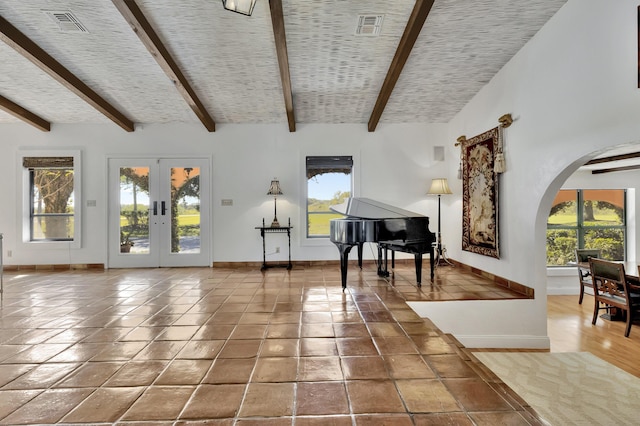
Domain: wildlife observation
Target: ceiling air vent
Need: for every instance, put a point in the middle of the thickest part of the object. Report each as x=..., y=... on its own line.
x=66, y=21
x=369, y=25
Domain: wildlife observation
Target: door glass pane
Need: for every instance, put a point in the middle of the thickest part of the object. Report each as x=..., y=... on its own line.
x=134, y=210
x=185, y=210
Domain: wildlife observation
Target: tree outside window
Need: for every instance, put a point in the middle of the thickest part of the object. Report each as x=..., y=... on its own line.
x=51, y=189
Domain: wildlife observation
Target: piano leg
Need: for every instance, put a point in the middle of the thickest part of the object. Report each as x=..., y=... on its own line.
x=360, y=254
x=344, y=262
x=382, y=257
x=418, y=261
x=431, y=261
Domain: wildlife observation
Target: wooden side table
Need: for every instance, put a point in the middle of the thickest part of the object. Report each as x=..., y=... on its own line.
x=275, y=230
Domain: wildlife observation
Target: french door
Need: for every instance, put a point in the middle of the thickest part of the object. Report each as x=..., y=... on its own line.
x=159, y=212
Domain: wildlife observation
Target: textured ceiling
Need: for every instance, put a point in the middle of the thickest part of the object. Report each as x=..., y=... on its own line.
x=230, y=60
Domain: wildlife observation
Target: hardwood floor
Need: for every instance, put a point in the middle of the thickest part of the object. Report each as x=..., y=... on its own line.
x=570, y=330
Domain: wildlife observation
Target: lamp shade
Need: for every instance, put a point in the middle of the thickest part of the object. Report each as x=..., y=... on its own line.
x=274, y=189
x=244, y=7
x=439, y=186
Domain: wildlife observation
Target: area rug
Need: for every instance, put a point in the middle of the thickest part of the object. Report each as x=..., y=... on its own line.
x=573, y=388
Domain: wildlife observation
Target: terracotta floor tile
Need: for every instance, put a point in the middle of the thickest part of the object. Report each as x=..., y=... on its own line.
x=383, y=419
x=383, y=329
x=268, y=400
x=201, y=349
x=178, y=332
x=253, y=331
x=93, y=409
x=137, y=373
x=450, y=419
x=321, y=398
x=10, y=372
x=230, y=370
x=426, y=396
x=184, y=372
x=37, y=353
x=274, y=421
x=227, y=402
x=160, y=403
x=278, y=369
x=240, y=349
x=476, y=395
x=350, y=330
x=317, y=330
x=160, y=351
x=364, y=367
x=450, y=366
x=11, y=400
x=48, y=407
x=319, y=369
x=432, y=345
x=214, y=332
x=90, y=375
x=318, y=347
x=42, y=376
x=280, y=347
x=395, y=345
x=408, y=367
x=119, y=351
x=352, y=346
x=324, y=421
x=143, y=333
x=374, y=396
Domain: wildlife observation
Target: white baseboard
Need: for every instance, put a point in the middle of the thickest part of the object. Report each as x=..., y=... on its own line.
x=507, y=342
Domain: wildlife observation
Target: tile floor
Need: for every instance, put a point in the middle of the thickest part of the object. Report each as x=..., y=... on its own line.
x=238, y=347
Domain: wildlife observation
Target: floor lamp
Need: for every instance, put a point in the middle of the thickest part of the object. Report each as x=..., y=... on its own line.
x=440, y=187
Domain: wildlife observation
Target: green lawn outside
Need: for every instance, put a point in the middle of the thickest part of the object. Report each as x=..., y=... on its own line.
x=319, y=223
x=610, y=218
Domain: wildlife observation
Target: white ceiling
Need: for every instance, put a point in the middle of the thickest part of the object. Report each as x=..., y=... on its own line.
x=230, y=59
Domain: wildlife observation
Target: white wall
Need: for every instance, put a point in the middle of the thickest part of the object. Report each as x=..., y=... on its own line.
x=394, y=165
x=573, y=92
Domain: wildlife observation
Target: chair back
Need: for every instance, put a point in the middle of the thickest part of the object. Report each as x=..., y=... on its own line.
x=609, y=282
x=583, y=255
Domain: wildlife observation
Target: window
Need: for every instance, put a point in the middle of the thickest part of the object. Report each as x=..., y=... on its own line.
x=329, y=182
x=51, y=192
x=586, y=218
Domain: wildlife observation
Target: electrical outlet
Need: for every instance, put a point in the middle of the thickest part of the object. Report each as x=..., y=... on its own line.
x=277, y=249
x=9, y=253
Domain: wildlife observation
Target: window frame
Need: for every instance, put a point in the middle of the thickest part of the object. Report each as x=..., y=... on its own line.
x=305, y=240
x=581, y=229
x=25, y=209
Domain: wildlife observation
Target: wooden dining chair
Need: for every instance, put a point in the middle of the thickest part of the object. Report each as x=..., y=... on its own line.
x=584, y=275
x=611, y=289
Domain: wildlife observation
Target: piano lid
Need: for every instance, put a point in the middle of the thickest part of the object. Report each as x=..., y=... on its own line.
x=366, y=208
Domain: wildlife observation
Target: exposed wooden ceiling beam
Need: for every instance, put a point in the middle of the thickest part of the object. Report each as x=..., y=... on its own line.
x=24, y=114
x=411, y=32
x=277, y=21
x=615, y=169
x=138, y=22
x=30, y=50
x=614, y=158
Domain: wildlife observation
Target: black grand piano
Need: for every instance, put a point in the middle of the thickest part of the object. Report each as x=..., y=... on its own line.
x=392, y=228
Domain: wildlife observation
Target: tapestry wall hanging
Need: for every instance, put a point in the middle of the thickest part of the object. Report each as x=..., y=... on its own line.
x=480, y=193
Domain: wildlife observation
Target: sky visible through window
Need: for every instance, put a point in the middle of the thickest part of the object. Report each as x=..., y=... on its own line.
x=324, y=186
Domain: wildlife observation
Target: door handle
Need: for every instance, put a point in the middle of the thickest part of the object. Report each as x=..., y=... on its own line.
x=155, y=208
x=163, y=208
